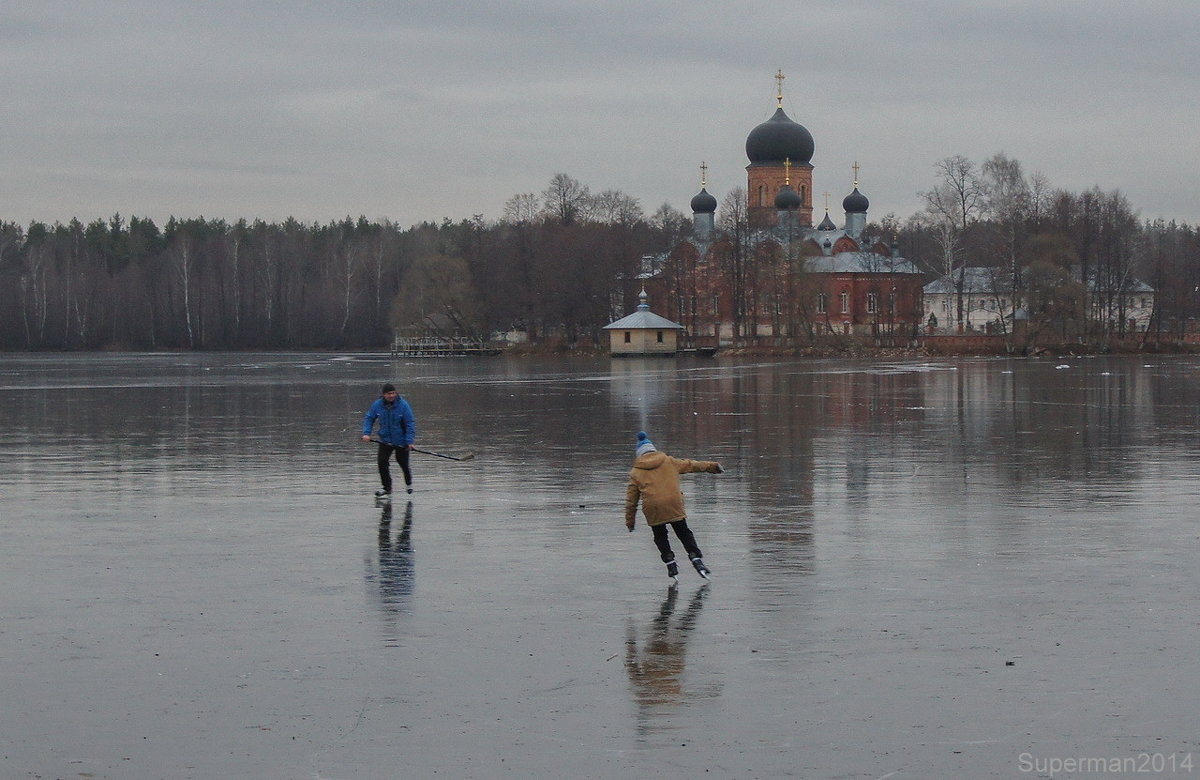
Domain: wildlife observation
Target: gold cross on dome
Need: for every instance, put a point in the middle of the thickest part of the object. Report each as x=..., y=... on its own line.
x=779, y=91
x=855, y=167
x=703, y=174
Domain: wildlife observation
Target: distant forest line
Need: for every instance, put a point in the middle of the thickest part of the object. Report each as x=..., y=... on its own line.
x=555, y=265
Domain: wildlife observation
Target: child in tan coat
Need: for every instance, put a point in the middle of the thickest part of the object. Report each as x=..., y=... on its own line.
x=654, y=480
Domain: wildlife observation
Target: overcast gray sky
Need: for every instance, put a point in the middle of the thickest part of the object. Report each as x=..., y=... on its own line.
x=425, y=109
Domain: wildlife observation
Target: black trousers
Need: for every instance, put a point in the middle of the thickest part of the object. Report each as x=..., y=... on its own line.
x=385, y=473
x=685, y=536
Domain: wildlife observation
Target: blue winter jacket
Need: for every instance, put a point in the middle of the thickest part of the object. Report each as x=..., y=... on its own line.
x=396, y=423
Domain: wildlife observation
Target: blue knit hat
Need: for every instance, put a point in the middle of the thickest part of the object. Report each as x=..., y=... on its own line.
x=644, y=444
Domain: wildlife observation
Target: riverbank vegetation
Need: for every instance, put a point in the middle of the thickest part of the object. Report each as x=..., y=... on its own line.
x=555, y=267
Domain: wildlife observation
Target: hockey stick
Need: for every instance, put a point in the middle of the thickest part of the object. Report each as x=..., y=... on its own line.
x=468, y=456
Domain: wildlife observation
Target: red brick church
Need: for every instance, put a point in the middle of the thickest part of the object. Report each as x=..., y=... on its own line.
x=768, y=276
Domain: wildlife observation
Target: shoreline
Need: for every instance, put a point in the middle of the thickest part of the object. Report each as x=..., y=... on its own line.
x=945, y=346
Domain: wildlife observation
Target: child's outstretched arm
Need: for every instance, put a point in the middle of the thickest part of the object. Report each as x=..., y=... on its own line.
x=688, y=466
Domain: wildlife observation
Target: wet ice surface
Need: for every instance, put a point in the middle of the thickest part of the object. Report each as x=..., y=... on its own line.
x=921, y=569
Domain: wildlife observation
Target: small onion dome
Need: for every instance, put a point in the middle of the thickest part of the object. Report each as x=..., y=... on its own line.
x=779, y=139
x=856, y=203
x=787, y=199
x=703, y=203
x=827, y=223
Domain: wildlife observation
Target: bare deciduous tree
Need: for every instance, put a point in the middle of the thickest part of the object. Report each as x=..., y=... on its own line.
x=566, y=199
x=736, y=259
x=616, y=208
x=954, y=204
x=1007, y=202
x=437, y=294
x=521, y=209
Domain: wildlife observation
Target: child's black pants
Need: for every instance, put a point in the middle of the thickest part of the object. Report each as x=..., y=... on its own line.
x=685, y=536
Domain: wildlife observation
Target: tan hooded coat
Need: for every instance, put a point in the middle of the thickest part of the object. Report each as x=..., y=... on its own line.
x=654, y=480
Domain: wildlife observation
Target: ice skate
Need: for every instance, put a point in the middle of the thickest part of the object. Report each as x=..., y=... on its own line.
x=701, y=569
x=673, y=571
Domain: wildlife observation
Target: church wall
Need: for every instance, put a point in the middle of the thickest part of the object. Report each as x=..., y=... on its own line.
x=845, y=244
x=763, y=183
x=858, y=287
x=697, y=293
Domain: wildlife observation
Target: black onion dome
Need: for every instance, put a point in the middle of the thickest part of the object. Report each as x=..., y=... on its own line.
x=856, y=203
x=827, y=223
x=787, y=199
x=703, y=203
x=779, y=139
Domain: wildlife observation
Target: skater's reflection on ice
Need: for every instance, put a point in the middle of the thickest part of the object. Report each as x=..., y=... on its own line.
x=656, y=659
x=393, y=575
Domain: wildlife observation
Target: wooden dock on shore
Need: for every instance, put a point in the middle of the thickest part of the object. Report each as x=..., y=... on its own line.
x=435, y=346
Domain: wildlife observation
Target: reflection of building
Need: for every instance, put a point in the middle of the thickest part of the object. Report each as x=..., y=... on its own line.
x=645, y=385
x=772, y=274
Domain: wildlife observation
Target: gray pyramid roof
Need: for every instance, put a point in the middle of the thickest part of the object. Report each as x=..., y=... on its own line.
x=643, y=319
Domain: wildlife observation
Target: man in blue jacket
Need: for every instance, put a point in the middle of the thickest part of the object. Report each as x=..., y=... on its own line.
x=397, y=431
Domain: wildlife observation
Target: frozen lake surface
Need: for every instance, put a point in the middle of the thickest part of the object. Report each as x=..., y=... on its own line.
x=926, y=569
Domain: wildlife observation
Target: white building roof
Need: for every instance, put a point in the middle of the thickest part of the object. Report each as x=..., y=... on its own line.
x=859, y=263
x=993, y=281
x=976, y=281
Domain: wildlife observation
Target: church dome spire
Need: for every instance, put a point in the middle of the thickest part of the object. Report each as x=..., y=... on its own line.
x=787, y=199
x=856, y=202
x=779, y=138
x=703, y=202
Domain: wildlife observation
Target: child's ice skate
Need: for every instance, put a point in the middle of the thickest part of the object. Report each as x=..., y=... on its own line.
x=701, y=569
x=673, y=571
